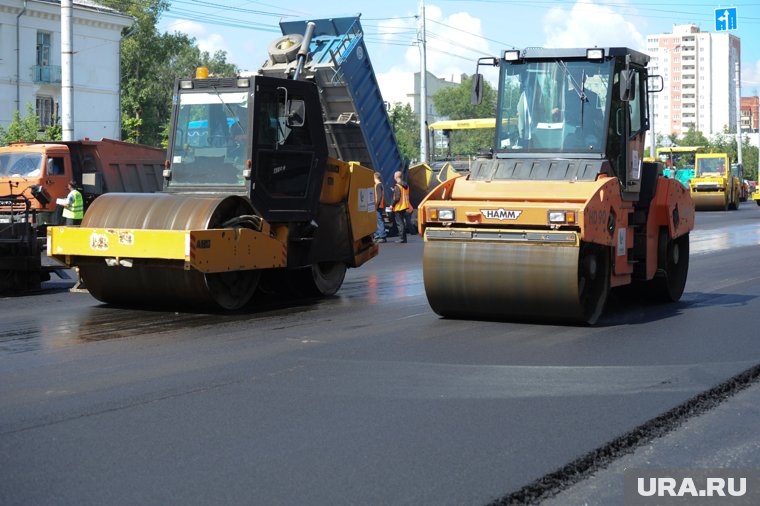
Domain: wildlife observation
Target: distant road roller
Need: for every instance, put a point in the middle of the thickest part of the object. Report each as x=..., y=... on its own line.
x=566, y=209
x=252, y=200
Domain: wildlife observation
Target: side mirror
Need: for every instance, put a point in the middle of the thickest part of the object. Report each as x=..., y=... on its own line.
x=477, y=89
x=627, y=85
x=296, y=114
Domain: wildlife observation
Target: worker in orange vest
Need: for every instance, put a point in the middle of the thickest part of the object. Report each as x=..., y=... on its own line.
x=380, y=233
x=402, y=206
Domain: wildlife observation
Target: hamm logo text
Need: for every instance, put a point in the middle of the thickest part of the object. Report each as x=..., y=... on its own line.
x=501, y=214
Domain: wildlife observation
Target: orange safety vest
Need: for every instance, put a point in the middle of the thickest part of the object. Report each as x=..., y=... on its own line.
x=379, y=196
x=403, y=204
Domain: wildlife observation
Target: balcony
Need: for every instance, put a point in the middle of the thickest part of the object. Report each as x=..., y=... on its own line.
x=50, y=74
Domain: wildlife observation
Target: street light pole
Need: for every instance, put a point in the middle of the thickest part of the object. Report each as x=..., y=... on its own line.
x=67, y=74
x=738, y=116
x=423, y=86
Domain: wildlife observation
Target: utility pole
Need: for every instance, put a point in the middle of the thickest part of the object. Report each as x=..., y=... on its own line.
x=67, y=70
x=652, y=134
x=738, y=115
x=421, y=37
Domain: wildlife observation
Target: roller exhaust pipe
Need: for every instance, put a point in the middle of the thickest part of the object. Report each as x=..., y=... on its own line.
x=304, y=51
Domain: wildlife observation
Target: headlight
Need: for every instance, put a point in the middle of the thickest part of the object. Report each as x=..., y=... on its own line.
x=511, y=55
x=595, y=54
x=562, y=217
x=442, y=214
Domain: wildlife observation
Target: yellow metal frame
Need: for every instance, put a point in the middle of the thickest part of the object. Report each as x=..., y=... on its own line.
x=215, y=250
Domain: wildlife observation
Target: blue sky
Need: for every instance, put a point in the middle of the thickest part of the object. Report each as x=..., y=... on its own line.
x=459, y=31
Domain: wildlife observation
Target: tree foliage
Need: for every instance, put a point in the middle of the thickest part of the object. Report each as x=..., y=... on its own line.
x=455, y=103
x=150, y=62
x=406, y=126
x=27, y=129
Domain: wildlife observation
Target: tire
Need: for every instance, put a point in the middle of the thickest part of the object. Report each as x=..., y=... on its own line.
x=672, y=267
x=319, y=280
x=285, y=49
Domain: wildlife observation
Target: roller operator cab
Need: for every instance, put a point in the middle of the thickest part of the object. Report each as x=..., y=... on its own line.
x=566, y=209
x=251, y=202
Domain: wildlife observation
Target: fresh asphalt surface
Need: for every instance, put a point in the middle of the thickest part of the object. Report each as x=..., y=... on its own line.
x=367, y=397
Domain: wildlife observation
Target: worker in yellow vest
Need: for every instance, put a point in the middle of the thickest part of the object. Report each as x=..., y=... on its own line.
x=73, y=205
x=402, y=206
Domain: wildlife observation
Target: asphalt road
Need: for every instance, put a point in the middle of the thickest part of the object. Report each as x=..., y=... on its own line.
x=367, y=397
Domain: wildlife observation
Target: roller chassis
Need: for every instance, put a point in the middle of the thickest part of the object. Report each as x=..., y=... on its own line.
x=551, y=224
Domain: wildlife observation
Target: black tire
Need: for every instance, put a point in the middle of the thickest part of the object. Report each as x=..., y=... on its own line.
x=672, y=267
x=593, y=280
x=318, y=280
x=285, y=49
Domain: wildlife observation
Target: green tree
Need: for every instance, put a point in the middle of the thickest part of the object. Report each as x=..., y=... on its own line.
x=406, y=126
x=21, y=129
x=693, y=138
x=150, y=62
x=455, y=103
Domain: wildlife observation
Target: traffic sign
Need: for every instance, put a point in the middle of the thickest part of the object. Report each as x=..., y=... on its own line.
x=725, y=19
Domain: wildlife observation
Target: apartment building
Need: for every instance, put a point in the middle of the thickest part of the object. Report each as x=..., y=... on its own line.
x=699, y=73
x=30, y=64
x=750, y=114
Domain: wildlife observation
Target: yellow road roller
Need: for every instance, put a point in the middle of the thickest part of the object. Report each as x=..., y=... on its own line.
x=714, y=186
x=566, y=208
x=252, y=200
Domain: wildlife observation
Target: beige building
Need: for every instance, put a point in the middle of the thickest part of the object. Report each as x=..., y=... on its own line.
x=699, y=73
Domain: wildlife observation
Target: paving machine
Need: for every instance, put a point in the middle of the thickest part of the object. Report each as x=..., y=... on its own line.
x=566, y=209
x=252, y=198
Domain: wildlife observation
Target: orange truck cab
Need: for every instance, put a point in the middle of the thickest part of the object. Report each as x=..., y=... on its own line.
x=34, y=175
x=40, y=172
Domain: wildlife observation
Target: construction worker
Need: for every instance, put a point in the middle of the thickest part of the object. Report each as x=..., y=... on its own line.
x=73, y=205
x=402, y=206
x=380, y=233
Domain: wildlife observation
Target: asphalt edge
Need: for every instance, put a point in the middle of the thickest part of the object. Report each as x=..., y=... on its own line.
x=583, y=467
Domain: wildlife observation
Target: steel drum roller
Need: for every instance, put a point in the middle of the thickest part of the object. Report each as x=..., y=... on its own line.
x=515, y=281
x=709, y=202
x=165, y=283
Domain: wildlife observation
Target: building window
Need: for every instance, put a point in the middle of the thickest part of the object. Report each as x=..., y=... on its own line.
x=43, y=48
x=45, y=111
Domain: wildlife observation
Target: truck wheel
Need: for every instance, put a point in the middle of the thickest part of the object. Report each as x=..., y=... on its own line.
x=673, y=267
x=284, y=49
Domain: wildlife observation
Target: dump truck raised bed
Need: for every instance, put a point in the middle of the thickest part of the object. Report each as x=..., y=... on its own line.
x=566, y=209
x=252, y=197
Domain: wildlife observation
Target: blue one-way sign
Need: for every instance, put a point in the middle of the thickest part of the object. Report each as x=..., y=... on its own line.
x=725, y=19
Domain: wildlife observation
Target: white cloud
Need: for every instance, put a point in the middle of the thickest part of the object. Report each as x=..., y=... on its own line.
x=206, y=41
x=590, y=24
x=454, y=43
x=396, y=85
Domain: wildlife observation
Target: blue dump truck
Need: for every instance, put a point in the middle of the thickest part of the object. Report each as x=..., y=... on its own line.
x=357, y=126
x=268, y=185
